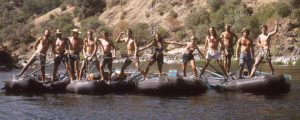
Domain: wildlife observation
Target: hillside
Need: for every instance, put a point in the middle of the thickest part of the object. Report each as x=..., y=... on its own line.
x=173, y=19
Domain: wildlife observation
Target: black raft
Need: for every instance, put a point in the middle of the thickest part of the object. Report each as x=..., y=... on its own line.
x=34, y=84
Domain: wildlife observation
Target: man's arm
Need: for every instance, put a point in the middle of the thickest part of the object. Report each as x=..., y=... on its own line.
x=276, y=29
x=118, y=39
x=238, y=46
x=37, y=42
x=147, y=46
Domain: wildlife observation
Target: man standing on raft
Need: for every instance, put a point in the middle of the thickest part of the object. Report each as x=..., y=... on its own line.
x=212, y=42
x=228, y=36
x=41, y=46
x=264, y=42
x=245, y=44
x=188, y=55
x=61, y=44
x=90, y=48
x=107, y=56
x=75, y=47
x=132, y=52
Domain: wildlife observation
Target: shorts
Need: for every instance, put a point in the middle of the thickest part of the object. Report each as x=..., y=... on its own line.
x=159, y=58
x=187, y=57
x=74, y=56
x=60, y=57
x=130, y=58
x=229, y=51
x=264, y=54
x=107, y=61
x=246, y=57
x=41, y=57
x=213, y=55
x=94, y=58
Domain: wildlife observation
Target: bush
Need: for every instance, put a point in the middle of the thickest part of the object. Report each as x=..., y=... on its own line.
x=162, y=32
x=298, y=44
x=180, y=34
x=294, y=3
x=153, y=2
x=63, y=7
x=196, y=18
x=162, y=9
x=282, y=9
x=141, y=32
x=278, y=63
x=201, y=32
x=123, y=15
x=51, y=16
x=39, y=6
x=172, y=14
x=87, y=8
x=91, y=23
x=121, y=26
x=296, y=14
x=298, y=61
x=215, y=4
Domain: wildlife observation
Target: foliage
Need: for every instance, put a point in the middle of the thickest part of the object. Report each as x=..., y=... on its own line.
x=278, y=63
x=215, y=4
x=51, y=16
x=294, y=3
x=162, y=9
x=63, y=7
x=296, y=14
x=298, y=44
x=282, y=9
x=172, y=14
x=120, y=27
x=87, y=8
x=92, y=23
x=298, y=61
x=162, y=32
x=180, y=33
x=196, y=18
x=141, y=32
x=38, y=7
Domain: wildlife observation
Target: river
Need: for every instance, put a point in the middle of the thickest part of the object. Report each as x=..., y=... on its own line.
x=209, y=105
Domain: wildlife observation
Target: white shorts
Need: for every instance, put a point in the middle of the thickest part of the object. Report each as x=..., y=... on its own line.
x=213, y=55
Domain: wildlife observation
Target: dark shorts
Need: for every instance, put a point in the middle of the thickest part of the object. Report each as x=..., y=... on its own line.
x=229, y=51
x=159, y=58
x=130, y=59
x=107, y=60
x=41, y=57
x=264, y=54
x=246, y=57
x=74, y=56
x=60, y=58
x=187, y=57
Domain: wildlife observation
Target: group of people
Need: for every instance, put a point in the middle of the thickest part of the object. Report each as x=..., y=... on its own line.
x=67, y=50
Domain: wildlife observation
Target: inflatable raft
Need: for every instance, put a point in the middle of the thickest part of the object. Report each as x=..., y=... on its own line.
x=172, y=83
x=262, y=82
x=34, y=84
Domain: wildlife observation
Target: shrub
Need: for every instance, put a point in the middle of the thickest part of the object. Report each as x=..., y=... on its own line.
x=296, y=14
x=120, y=27
x=87, y=8
x=39, y=6
x=173, y=14
x=162, y=32
x=278, y=63
x=201, y=32
x=282, y=9
x=51, y=16
x=162, y=9
x=91, y=23
x=180, y=33
x=294, y=3
x=63, y=7
x=196, y=18
x=153, y=2
x=215, y=4
x=298, y=44
x=123, y=15
x=141, y=32
x=172, y=24
x=298, y=61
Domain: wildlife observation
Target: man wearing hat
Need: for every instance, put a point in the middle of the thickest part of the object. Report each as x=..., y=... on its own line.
x=75, y=47
x=60, y=45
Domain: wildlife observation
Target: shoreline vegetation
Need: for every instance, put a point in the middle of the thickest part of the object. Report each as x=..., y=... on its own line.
x=21, y=23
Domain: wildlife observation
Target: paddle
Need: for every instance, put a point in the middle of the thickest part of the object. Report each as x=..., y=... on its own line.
x=46, y=65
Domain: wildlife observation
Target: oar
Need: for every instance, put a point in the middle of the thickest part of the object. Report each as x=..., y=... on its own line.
x=205, y=81
x=46, y=65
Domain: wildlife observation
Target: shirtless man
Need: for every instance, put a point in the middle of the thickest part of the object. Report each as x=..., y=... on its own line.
x=264, y=42
x=245, y=44
x=212, y=42
x=41, y=46
x=188, y=55
x=106, y=54
x=132, y=52
x=61, y=44
x=90, y=48
x=75, y=47
x=228, y=36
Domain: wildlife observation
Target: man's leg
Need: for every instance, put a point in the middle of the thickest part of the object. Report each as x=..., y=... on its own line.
x=69, y=70
x=223, y=69
x=151, y=62
x=72, y=68
x=82, y=70
x=204, y=68
x=228, y=64
x=225, y=62
x=137, y=65
x=102, y=65
x=76, y=64
x=257, y=62
x=96, y=62
x=183, y=64
x=271, y=66
x=124, y=66
x=192, y=62
x=43, y=62
x=55, y=71
x=160, y=65
x=31, y=60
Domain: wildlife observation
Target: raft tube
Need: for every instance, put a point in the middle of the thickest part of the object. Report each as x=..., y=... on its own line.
x=171, y=85
x=263, y=83
x=34, y=84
